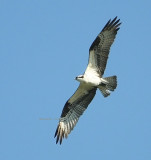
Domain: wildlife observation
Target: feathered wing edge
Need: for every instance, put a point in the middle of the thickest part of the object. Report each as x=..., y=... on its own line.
x=63, y=130
x=114, y=24
x=71, y=113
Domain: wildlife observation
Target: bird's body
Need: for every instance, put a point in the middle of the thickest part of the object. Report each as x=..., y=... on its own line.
x=90, y=80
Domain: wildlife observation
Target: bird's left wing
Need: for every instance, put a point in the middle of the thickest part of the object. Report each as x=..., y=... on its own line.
x=100, y=48
x=73, y=109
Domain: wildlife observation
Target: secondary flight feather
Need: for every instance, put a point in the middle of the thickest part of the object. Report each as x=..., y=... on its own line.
x=90, y=81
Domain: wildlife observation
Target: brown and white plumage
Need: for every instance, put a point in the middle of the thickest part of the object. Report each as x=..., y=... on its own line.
x=90, y=81
x=100, y=48
x=73, y=109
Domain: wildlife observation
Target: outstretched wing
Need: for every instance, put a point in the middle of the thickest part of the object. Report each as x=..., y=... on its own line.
x=73, y=109
x=99, y=50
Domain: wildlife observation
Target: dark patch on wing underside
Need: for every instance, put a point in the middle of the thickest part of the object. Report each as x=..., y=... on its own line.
x=83, y=101
x=65, y=109
x=95, y=43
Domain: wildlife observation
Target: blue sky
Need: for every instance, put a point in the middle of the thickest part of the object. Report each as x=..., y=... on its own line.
x=43, y=47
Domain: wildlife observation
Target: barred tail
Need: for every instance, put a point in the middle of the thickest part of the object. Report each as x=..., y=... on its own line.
x=110, y=85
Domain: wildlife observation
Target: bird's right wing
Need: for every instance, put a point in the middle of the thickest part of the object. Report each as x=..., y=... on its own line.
x=73, y=109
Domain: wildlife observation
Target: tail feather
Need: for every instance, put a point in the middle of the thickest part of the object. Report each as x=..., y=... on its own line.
x=112, y=83
x=109, y=86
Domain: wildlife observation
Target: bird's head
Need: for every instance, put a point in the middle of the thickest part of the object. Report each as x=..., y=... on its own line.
x=80, y=78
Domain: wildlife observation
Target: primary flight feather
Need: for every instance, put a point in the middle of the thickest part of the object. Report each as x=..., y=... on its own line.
x=90, y=80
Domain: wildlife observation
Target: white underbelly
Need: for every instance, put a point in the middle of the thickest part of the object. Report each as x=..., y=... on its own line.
x=93, y=80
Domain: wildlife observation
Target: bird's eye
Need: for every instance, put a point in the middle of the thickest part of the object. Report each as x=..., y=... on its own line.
x=81, y=76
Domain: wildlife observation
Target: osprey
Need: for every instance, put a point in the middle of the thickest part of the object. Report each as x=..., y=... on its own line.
x=90, y=81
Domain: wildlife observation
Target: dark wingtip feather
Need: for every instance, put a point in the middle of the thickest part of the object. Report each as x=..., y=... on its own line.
x=112, y=24
x=115, y=18
x=113, y=21
x=106, y=24
x=60, y=140
x=116, y=22
x=59, y=134
x=56, y=132
x=57, y=139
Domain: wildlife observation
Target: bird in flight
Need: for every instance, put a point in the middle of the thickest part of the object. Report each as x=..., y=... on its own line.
x=90, y=81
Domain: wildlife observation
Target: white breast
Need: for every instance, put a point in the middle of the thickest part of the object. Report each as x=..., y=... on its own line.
x=92, y=77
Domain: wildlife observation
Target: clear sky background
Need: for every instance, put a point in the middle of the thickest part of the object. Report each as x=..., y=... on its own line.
x=43, y=47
